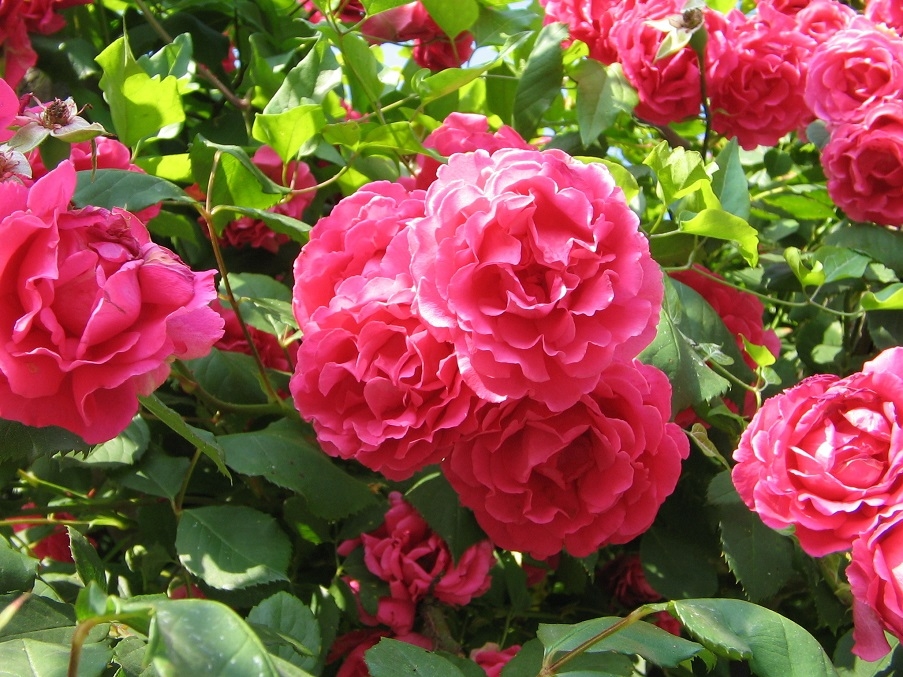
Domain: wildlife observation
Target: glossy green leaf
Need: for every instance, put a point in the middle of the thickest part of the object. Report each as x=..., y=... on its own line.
x=809, y=272
x=773, y=645
x=315, y=75
x=453, y=17
x=290, y=131
x=395, y=137
x=723, y=225
x=527, y=662
x=203, y=637
x=729, y=181
x=391, y=658
x=39, y=618
x=438, y=503
x=281, y=455
x=680, y=172
x=132, y=191
x=232, y=547
x=540, y=83
x=278, y=223
x=292, y=631
x=362, y=68
x=889, y=298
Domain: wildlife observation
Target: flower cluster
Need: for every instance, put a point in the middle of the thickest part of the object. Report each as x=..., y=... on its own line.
x=755, y=65
x=491, y=323
x=825, y=458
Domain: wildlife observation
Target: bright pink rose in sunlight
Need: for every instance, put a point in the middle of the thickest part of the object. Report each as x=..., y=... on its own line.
x=376, y=385
x=857, y=67
x=790, y=7
x=353, y=240
x=594, y=474
x=589, y=21
x=533, y=265
x=93, y=311
x=460, y=133
x=493, y=658
x=888, y=12
x=824, y=457
x=821, y=19
x=876, y=582
x=740, y=311
x=864, y=165
x=756, y=73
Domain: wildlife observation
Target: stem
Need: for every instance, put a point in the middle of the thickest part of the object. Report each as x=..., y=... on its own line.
x=35, y=481
x=81, y=634
x=180, y=497
x=185, y=377
x=706, y=111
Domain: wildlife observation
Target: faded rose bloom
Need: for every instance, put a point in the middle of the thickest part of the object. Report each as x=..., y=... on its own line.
x=353, y=645
x=13, y=165
x=824, y=457
x=353, y=240
x=864, y=165
x=857, y=67
x=93, y=311
x=460, y=133
x=248, y=231
x=888, y=12
x=416, y=562
x=59, y=119
x=589, y=21
x=756, y=73
x=740, y=311
x=492, y=658
x=533, y=265
x=594, y=474
x=438, y=53
x=876, y=583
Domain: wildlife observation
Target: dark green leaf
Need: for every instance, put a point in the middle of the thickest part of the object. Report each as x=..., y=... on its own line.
x=293, y=626
x=527, y=662
x=280, y=454
x=157, y=474
x=231, y=546
x=17, y=570
x=879, y=244
x=39, y=618
x=438, y=503
x=87, y=562
x=391, y=658
x=540, y=83
x=729, y=181
x=124, y=449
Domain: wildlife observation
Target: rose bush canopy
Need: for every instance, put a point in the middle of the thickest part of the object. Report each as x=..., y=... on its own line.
x=511, y=338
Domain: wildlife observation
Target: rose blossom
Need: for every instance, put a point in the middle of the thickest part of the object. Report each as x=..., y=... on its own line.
x=93, y=310
x=533, y=265
x=460, y=133
x=55, y=545
x=821, y=19
x=855, y=68
x=864, y=165
x=594, y=474
x=353, y=240
x=9, y=109
x=825, y=456
x=888, y=12
x=492, y=658
x=439, y=52
x=876, y=584
x=16, y=52
x=353, y=645
x=589, y=21
x=756, y=73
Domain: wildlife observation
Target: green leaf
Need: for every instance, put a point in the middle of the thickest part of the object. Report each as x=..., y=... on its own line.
x=230, y=376
x=292, y=626
x=315, y=75
x=124, y=449
x=527, y=662
x=203, y=637
x=87, y=562
x=813, y=276
x=804, y=202
x=840, y=263
x=33, y=658
x=880, y=244
x=391, y=658
x=200, y=439
x=265, y=303
x=39, y=618
x=438, y=503
x=281, y=455
x=453, y=17
x=17, y=570
x=680, y=172
x=377, y=6
x=157, y=474
x=132, y=191
x=540, y=83
x=437, y=85
x=729, y=181
x=642, y=639
x=723, y=225
x=361, y=66
x=232, y=547
x=290, y=131
x=773, y=645
x=889, y=298
x=395, y=137
x=602, y=93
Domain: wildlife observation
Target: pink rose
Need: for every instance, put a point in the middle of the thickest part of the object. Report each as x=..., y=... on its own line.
x=888, y=12
x=94, y=310
x=41, y=16
x=876, y=582
x=354, y=241
x=821, y=19
x=864, y=165
x=346, y=11
x=533, y=265
x=376, y=385
x=400, y=24
x=756, y=73
x=855, y=68
x=9, y=109
x=416, y=563
x=248, y=231
x=589, y=21
x=740, y=311
x=789, y=7
x=493, y=658
x=460, y=133
x=438, y=53
x=824, y=457
x=16, y=52
x=396, y=613
x=594, y=474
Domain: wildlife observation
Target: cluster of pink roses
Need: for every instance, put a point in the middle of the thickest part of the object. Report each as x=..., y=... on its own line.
x=18, y=18
x=409, y=22
x=93, y=310
x=826, y=459
x=416, y=564
x=490, y=323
